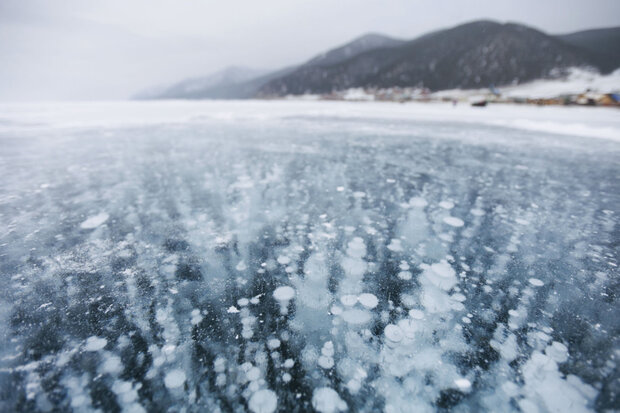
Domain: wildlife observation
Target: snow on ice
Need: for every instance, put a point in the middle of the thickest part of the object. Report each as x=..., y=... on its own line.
x=174, y=379
x=95, y=221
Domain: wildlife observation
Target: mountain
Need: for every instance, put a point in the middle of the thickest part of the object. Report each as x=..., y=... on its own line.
x=238, y=90
x=194, y=88
x=471, y=55
x=362, y=44
x=238, y=83
x=602, y=44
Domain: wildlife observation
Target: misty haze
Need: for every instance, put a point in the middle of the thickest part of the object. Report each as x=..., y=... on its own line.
x=282, y=206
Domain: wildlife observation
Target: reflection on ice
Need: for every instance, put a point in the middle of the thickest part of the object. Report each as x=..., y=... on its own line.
x=299, y=266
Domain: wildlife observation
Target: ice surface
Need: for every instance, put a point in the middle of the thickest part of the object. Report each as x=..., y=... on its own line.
x=282, y=256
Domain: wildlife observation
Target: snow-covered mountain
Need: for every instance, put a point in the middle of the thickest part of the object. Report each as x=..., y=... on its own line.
x=472, y=55
x=367, y=42
x=468, y=56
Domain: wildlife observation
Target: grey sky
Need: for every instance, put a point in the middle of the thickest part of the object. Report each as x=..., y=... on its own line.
x=110, y=49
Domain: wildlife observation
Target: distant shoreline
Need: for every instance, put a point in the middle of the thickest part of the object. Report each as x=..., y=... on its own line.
x=47, y=117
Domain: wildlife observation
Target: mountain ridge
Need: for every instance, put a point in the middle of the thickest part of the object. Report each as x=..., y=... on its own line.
x=194, y=87
x=603, y=44
x=250, y=87
x=470, y=55
x=466, y=56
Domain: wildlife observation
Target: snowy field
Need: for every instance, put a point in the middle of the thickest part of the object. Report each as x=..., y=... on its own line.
x=308, y=256
x=576, y=82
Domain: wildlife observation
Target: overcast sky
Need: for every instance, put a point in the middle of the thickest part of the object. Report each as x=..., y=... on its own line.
x=111, y=49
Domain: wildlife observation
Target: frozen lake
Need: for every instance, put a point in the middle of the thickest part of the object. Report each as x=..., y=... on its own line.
x=308, y=256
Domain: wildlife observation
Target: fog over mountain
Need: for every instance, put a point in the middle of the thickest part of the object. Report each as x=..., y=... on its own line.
x=603, y=45
x=189, y=88
x=93, y=50
x=252, y=86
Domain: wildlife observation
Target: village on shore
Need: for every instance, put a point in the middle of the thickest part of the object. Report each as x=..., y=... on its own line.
x=578, y=87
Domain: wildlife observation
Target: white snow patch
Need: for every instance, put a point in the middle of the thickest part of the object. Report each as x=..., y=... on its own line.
x=95, y=221
x=348, y=300
x=395, y=245
x=283, y=259
x=368, y=300
x=174, y=379
x=454, y=221
x=557, y=351
x=95, y=343
x=405, y=275
x=416, y=314
x=284, y=293
x=393, y=333
x=536, y=282
x=336, y=310
x=545, y=387
x=463, y=384
x=441, y=274
x=418, y=202
x=273, y=343
x=326, y=400
x=112, y=364
x=356, y=316
x=326, y=362
x=253, y=374
x=577, y=81
x=328, y=349
x=263, y=401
